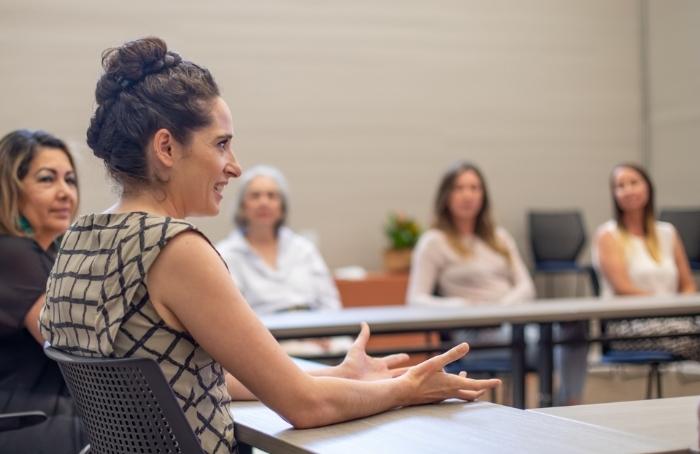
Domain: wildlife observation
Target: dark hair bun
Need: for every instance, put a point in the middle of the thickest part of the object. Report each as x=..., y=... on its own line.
x=130, y=63
x=144, y=88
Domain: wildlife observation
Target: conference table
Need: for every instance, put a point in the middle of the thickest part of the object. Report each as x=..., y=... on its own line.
x=673, y=419
x=403, y=319
x=455, y=427
x=449, y=427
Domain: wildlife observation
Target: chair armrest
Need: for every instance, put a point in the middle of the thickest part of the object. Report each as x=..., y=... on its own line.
x=14, y=421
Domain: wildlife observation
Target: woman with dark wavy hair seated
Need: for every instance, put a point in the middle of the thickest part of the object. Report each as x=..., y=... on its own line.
x=158, y=289
x=38, y=200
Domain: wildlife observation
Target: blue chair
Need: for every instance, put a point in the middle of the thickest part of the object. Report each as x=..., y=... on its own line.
x=687, y=223
x=556, y=240
x=652, y=358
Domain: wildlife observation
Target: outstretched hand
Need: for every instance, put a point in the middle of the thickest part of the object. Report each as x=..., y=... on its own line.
x=360, y=366
x=427, y=381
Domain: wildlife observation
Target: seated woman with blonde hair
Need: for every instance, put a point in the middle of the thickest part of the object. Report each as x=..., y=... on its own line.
x=635, y=254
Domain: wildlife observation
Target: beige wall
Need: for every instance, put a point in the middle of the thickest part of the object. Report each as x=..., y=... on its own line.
x=364, y=103
x=674, y=100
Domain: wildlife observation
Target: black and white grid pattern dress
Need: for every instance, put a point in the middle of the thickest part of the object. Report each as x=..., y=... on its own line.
x=97, y=304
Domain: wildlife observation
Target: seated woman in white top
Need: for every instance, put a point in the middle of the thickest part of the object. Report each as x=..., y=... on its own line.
x=274, y=268
x=467, y=260
x=637, y=255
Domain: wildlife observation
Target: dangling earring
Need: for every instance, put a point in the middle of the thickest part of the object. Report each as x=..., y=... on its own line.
x=25, y=226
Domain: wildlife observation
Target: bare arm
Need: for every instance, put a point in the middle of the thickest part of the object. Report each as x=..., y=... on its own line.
x=189, y=280
x=686, y=283
x=356, y=365
x=613, y=267
x=31, y=320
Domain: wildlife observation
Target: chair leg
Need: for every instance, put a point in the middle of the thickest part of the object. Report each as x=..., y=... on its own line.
x=659, y=394
x=650, y=380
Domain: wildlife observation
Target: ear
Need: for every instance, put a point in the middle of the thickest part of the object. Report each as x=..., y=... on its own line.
x=164, y=148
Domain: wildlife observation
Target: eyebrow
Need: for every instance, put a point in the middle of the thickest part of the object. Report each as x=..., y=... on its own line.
x=224, y=136
x=49, y=169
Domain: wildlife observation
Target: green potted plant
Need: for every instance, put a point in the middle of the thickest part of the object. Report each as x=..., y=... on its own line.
x=402, y=233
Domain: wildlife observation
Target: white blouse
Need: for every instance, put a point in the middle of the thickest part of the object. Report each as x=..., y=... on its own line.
x=659, y=278
x=483, y=277
x=301, y=279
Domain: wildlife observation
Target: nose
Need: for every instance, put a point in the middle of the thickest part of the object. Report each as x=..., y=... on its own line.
x=64, y=190
x=232, y=168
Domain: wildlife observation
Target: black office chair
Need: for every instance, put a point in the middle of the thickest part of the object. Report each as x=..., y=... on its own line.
x=652, y=358
x=556, y=240
x=687, y=223
x=126, y=405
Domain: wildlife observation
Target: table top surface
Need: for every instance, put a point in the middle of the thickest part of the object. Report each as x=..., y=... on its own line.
x=388, y=319
x=672, y=419
x=450, y=427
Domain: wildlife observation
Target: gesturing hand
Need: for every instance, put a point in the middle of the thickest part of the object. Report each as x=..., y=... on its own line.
x=359, y=365
x=427, y=382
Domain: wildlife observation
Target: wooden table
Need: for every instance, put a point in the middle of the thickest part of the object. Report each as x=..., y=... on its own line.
x=398, y=319
x=450, y=427
x=672, y=419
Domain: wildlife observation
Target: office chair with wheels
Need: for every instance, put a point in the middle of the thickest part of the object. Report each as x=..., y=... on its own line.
x=687, y=223
x=126, y=405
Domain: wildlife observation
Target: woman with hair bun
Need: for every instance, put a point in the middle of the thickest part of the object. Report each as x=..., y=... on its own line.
x=158, y=289
x=38, y=200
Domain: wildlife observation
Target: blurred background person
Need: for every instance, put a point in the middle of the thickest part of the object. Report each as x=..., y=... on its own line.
x=467, y=260
x=38, y=201
x=634, y=254
x=276, y=269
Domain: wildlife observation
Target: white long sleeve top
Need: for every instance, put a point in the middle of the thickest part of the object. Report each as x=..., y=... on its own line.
x=483, y=277
x=300, y=280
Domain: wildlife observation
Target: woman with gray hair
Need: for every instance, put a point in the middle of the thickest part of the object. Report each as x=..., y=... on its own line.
x=275, y=269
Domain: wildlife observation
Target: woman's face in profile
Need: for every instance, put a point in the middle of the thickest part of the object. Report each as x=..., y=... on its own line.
x=466, y=197
x=49, y=192
x=630, y=190
x=208, y=163
x=262, y=203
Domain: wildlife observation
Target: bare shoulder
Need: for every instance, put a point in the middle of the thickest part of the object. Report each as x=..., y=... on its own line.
x=606, y=240
x=184, y=254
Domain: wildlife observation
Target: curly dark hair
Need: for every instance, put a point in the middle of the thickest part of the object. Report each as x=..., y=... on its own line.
x=145, y=88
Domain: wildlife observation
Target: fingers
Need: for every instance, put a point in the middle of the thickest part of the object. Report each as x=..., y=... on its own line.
x=469, y=395
x=363, y=337
x=397, y=372
x=440, y=361
x=395, y=360
x=470, y=389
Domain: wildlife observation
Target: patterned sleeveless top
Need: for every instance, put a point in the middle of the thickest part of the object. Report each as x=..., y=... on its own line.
x=97, y=304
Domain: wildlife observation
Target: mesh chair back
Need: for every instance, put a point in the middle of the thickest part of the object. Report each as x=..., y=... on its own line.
x=556, y=235
x=687, y=222
x=126, y=405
